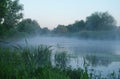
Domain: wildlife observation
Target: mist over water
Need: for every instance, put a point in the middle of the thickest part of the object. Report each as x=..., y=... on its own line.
x=102, y=55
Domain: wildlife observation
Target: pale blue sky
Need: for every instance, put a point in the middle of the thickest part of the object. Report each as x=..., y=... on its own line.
x=50, y=13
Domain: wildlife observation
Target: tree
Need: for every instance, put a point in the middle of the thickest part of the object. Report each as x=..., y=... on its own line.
x=60, y=29
x=28, y=26
x=77, y=26
x=3, y=8
x=45, y=30
x=13, y=14
x=100, y=21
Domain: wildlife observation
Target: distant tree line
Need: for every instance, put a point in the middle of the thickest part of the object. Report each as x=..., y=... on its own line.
x=97, y=25
x=98, y=21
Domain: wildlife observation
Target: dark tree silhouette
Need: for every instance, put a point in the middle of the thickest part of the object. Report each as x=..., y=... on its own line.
x=100, y=21
x=13, y=14
x=28, y=26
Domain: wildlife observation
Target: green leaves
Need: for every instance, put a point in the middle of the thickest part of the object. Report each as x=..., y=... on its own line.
x=13, y=14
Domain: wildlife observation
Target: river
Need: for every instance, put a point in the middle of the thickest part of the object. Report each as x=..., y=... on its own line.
x=101, y=55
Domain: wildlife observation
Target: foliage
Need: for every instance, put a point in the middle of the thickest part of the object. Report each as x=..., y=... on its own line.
x=61, y=60
x=13, y=14
x=28, y=26
x=2, y=30
x=34, y=63
x=22, y=62
x=99, y=25
x=77, y=26
x=100, y=21
x=3, y=8
x=45, y=30
x=10, y=15
x=60, y=29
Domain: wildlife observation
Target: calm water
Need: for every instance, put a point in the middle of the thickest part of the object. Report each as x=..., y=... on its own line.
x=103, y=56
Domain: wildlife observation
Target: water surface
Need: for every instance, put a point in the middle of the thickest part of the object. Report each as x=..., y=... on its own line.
x=101, y=55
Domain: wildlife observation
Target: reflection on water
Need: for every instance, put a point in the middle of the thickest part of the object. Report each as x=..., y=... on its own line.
x=97, y=60
x=101, y=55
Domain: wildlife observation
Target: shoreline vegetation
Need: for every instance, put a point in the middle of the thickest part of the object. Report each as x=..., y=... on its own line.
x=35, y=63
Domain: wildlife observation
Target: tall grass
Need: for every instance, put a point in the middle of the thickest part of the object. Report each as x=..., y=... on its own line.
x=35, y=63
x=61, y=60
x=21, y=63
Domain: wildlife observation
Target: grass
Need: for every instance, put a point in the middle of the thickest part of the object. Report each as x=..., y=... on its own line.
x=21, y=63
x=35, y=63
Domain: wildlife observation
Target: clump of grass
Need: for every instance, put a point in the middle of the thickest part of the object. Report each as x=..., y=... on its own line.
x=61, y=60
x=21, y=63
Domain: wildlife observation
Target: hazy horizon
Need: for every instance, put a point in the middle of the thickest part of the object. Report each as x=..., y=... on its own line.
x=51, y=13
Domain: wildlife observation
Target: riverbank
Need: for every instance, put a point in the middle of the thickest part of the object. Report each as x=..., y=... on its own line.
x=35, y=63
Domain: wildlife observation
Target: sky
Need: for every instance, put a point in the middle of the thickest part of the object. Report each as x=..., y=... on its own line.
x=50, y=13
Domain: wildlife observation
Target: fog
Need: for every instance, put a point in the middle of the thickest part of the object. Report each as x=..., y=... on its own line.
x=99, y=53
x=73, y=45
